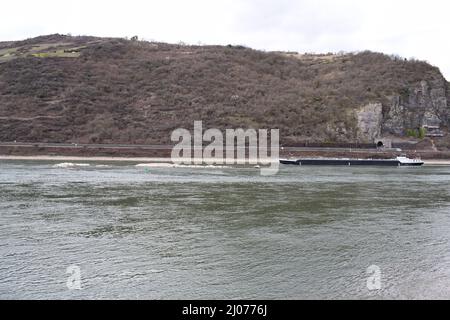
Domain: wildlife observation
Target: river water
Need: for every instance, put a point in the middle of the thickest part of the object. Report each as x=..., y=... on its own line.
x=223, y=233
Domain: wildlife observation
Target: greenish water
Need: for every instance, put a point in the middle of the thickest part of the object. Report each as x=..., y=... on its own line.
x=165, y=233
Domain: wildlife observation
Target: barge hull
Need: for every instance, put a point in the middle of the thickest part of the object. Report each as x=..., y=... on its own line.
x=349, y=162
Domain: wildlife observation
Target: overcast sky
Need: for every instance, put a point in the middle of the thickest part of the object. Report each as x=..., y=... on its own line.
x=410, y=28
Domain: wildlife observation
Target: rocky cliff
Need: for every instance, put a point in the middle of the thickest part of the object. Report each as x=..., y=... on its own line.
x=424, y=104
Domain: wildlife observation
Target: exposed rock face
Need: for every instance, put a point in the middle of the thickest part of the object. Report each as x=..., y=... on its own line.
x=423, y=105
x=370, y=119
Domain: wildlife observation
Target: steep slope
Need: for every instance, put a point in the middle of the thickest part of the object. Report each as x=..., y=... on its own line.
x=83, y=89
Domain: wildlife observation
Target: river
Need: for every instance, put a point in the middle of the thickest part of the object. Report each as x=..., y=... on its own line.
x=223, y=233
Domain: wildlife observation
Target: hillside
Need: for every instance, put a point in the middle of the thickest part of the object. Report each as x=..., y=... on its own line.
x=102, y=90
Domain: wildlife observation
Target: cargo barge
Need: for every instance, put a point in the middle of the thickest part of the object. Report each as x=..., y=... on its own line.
x=402, y=161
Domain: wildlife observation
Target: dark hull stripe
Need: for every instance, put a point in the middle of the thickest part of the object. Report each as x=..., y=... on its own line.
x=344, y=162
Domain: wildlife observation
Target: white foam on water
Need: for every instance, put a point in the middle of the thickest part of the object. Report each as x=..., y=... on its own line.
x=156, y=165
x=204, y=167
x=155, y=271
x=171, y=165
x=70, y=165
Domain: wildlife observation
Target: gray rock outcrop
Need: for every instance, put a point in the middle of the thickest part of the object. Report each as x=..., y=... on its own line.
x=370, y=120
x=426, y=104
x=423, y=105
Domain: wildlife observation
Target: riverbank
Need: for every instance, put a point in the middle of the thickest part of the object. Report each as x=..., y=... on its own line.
x=150, y=160
x=143, y=152
x=86, y=159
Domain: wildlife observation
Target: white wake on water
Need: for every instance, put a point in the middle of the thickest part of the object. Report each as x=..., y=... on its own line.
x=70, y=165
x=171, y=165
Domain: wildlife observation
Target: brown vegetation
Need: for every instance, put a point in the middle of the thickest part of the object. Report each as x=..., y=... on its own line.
x=91, y=90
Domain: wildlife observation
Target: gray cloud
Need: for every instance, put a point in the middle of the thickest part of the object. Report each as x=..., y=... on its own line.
x=410, y=28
